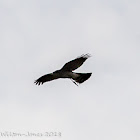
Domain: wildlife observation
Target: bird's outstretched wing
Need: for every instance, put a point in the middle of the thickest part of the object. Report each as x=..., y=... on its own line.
x=76, y=63
x=45, y=78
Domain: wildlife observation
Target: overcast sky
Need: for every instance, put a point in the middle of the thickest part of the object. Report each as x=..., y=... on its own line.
x=39, y=37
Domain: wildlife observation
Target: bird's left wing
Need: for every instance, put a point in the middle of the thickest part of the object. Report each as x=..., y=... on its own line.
x=76, y=63
x=45, y=78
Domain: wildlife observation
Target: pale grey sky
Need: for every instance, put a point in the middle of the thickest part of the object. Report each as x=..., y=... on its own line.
x=39, y=36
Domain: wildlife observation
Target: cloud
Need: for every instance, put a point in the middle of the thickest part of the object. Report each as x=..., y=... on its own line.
x=38, y=37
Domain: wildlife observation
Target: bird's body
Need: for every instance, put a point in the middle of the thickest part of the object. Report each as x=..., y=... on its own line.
x=66, y=72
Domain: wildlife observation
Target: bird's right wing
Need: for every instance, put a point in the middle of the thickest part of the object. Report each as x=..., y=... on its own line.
x=45, y=78
x=76, y=63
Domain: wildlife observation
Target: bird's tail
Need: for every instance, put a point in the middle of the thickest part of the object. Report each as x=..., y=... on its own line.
x=81, y=78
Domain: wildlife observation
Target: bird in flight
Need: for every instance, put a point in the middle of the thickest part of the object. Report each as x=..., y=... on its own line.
x=67, y=72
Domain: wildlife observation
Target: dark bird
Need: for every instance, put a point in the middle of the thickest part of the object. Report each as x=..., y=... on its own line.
x=67, y=72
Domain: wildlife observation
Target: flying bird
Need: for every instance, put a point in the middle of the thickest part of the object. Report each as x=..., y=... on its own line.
x=67, y=72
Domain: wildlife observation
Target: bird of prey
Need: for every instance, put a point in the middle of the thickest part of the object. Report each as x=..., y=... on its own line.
x=67, y=72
